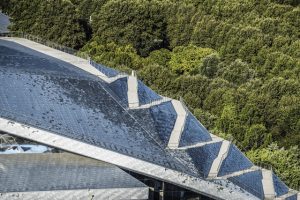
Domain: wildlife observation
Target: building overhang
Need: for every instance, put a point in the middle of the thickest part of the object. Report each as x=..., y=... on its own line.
x=214, y=189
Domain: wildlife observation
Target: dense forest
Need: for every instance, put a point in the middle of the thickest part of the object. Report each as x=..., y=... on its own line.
x=236, y=63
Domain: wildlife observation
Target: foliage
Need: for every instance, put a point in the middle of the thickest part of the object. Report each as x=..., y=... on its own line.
x=139, y=23
x=188, y=59
x=285, y=162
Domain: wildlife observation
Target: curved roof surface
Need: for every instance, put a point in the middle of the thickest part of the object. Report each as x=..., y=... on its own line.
x=53, y=94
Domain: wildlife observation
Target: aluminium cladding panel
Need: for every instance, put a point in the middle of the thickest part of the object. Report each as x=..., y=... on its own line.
x=235, y=161
x=194, y=132
x=279, y=186
x=60, y=171
x=251, y=181
x=145, y=94
x=164, y=117
x=78, y=109
x=109, y=72
x=189, y=182
x=204, y=156
x=293, y=197
x=83, y=194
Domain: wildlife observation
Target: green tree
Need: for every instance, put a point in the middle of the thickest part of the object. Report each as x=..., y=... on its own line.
x=237, y=72
x=188, y=59
x=140, y=23
x=256, y=136
x=210, y=65
x=113, y=55
x=227, y=119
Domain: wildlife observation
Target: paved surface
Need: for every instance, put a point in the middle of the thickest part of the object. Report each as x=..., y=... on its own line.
x=133, y=98
x=268, y=185
x=179, y=124
x=214, y=170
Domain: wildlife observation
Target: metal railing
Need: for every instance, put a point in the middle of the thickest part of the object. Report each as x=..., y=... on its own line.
x=264, y=165
x=6, y=139
x=158, y=101
x=47, y=43
x=109, y=73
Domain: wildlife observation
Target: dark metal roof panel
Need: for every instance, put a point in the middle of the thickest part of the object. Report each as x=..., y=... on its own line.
x=59, y=171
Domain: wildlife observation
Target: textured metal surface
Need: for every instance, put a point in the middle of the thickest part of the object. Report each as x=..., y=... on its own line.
x=87, y=194
x=77, y=107
x=60, y=171
x=209, y=188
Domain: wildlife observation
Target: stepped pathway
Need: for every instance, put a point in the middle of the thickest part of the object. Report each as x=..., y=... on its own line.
x=214, y=170
x=74, y=60
x=268, y=185
x=179, y=124
x=132, y=93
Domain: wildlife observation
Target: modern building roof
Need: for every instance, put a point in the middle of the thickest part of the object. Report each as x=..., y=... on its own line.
x=63, y=101
x=62, y=171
